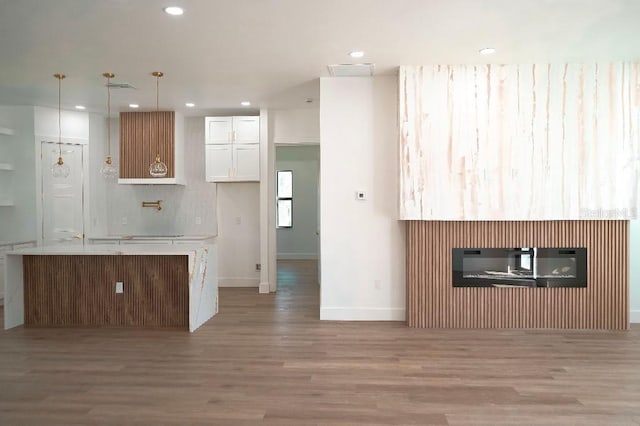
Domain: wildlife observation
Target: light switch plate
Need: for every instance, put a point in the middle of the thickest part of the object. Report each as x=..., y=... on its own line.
x=119, y=287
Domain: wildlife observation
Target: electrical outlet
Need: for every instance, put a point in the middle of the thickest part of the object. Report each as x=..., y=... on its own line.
x=124, y=220
x=258, y=267
x=119, y=287
x=238, y=220
x=198, y=220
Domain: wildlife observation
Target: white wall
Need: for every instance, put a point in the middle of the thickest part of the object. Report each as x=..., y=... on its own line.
x=634, y=270
x=300, y=241
x=238, y=234
x=182, y=206
x=363, y=250
x=74, y=125
x=296, y=126
x=18, y=222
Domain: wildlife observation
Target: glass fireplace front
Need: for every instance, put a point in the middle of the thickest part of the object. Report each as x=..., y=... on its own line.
x=519, y=267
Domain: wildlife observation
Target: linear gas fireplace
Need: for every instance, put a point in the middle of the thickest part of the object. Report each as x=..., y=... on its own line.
x=520, y=267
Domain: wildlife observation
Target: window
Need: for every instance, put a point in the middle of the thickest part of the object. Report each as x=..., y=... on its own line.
x=284, y=202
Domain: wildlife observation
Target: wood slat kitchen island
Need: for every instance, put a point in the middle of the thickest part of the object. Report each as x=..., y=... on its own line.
x=162, y=286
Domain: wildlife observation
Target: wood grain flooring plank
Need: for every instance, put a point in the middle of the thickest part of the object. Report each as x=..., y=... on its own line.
x=268, y=360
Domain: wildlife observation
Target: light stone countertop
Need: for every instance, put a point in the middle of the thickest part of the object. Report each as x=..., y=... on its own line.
x=110, y=249
x=151, y=237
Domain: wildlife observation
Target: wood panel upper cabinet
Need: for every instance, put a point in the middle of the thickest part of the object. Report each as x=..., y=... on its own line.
x=232, y=149
x=143, y=135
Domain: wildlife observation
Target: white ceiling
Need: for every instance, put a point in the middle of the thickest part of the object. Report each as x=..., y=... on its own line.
x=271, y=52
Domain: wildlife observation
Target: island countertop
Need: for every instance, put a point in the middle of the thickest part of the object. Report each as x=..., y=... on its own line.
x=155, y=279
x=150, y=238
x=110, y=249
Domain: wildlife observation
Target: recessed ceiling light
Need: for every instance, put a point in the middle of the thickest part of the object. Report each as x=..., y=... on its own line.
x=245, y=103
x=356, y=54
x=80, y=107
x=134, y=106
x=190, y=104
x=487, y=51
x=173, y=10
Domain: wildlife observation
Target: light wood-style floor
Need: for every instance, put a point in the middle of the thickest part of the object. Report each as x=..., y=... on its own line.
x=267, y=359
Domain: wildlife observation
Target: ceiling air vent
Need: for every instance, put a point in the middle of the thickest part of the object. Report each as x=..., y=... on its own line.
x=113, y=85
x=351, y=70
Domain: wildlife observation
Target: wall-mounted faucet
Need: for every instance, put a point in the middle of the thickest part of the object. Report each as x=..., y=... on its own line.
x=154, y=204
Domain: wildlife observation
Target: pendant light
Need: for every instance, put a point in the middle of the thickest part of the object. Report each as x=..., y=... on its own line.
x=108, y=170
x=59, y=169
x=158, y=168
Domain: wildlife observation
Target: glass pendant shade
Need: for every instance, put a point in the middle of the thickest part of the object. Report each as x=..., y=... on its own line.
x=158, y=168
x=60, y=169
x=108, y=170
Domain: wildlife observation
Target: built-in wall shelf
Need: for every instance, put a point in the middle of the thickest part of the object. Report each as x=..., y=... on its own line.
x=6, y=179
x=6, y=131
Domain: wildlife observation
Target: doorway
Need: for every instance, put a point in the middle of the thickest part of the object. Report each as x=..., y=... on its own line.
x=63, y=197
x=297, y=215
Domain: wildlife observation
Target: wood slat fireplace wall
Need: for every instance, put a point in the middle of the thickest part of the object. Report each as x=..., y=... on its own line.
x=432, y=301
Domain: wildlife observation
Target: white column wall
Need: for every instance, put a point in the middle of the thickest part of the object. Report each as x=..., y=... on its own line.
x=363, y=250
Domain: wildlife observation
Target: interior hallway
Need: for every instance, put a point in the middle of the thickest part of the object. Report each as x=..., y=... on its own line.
x=267, y=359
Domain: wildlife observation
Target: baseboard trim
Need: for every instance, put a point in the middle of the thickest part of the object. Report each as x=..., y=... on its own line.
x=238, y=282
x=363, y=314
x=634, y=316
x=263, y=288
x=297, y=256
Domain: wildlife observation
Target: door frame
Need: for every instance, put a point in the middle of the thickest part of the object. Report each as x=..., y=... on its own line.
x=84, y=144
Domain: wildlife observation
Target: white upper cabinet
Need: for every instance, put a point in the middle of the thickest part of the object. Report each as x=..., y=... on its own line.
x=246, y=129
x=232, y=150
x=219, y=162
x=218, y=130
x=221, y=130
x=247, y=161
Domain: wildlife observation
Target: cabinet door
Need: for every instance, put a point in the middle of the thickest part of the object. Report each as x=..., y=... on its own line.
x=247, y=129
x=218, y=130
x=246, y=158
x=218, y=162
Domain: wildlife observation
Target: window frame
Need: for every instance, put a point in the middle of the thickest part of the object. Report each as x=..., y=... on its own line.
x=279, y=198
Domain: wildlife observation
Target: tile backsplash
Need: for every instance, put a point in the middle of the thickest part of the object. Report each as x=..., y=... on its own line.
x=186, y=210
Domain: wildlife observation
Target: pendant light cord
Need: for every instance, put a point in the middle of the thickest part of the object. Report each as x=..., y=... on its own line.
x=158, y=114
x=59, y=119
x=59, y=76
x=108, y=116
